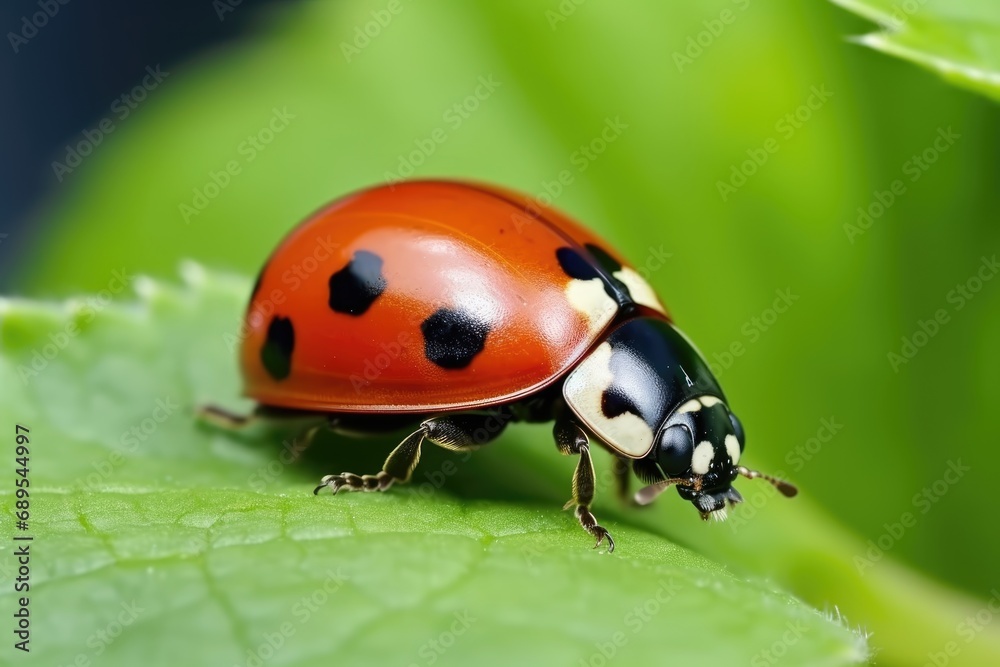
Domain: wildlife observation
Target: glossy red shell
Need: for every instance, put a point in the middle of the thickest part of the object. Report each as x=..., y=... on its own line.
x=442, y=244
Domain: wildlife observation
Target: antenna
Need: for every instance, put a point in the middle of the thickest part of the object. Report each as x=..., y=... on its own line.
x=788, y=490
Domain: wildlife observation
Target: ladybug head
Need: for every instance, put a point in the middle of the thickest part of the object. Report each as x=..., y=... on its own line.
x=649, y=395
x=698, y=449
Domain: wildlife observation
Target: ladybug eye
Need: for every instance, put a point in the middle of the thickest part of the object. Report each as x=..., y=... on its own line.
x=676, y=448
x=737, y=429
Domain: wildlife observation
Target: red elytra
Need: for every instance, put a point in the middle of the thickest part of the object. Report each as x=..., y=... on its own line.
x=486, y=252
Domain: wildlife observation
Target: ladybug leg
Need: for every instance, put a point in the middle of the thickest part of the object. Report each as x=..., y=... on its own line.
x=622, y=479
x=263, y=415
x=459, y=432
x=571, y=439
x=223, y=418
x=397, y=468
x=468, y=431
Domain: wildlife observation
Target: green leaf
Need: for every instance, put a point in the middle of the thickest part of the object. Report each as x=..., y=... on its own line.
x=958, y=39
x=158, y=540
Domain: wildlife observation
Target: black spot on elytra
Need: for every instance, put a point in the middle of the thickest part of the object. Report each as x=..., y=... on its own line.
x=276, y=355
x=453, y=338
x=575, y=265
x=355, y=287
x=610, y=265
x=578, y=266
x=607, y=262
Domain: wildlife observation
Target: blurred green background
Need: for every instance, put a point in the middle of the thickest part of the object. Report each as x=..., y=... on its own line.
x=831, y=126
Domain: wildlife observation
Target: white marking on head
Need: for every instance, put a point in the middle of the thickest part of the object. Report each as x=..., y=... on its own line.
x=589, y=299
x=701, y=459
x=584, y=390
x=691, y=406
x=642, y=293
x=696, y=404
x=709, y=401
x=733, y=447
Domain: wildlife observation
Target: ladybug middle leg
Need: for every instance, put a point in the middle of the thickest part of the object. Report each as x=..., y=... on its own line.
x=572, y=439
x=457, y=432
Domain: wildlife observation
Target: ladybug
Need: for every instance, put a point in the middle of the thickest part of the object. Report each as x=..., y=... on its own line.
x=458, y=308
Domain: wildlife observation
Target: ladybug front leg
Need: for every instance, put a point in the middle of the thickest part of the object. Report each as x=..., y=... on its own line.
x=459, y=432
x=571, y=439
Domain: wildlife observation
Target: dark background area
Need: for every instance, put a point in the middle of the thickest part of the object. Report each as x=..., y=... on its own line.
x=67, y=75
